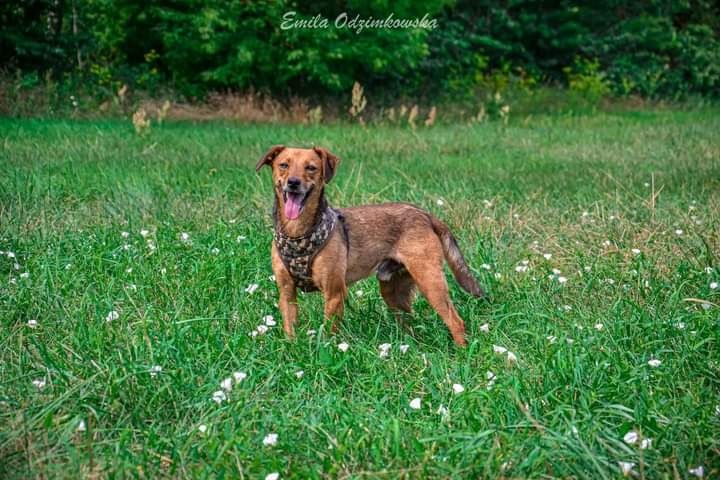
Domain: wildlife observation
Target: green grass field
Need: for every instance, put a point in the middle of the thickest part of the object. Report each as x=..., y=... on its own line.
x=626, y=206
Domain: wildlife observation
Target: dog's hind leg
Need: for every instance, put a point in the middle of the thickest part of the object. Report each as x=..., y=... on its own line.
x=423, y=258
x=398, y=293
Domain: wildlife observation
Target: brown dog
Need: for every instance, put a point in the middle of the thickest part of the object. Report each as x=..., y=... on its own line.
x=320, y=248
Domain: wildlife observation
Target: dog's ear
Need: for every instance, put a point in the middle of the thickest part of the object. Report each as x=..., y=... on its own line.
x=268, y=158
x=330, y=162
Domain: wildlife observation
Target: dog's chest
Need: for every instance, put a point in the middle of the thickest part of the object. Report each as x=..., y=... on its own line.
x=298, y=253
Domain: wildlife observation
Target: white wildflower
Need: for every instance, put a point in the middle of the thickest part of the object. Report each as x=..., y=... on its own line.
x=384, y=349
x=113, y=315
x=32, y=323
x=416, y=403
x=226, y=384
x=343, y=347
x=202, y=428
x=679, y=232
x=404, y=348
x=219, y=397
x=654, y=362
x=154, y=370
x=269, y=320
x=299, y=374
x=144, y=233
x=81, y=427
x=499, y=349
x=485, y=327
x=239, y=376
x=124, y=234
x=698, y=471
x=270, y=439
x=626, y=468
x=250, y=289
x=272, y=476
x=458, y=389
x=713, y=285
x=631, y=437
x=39, y=383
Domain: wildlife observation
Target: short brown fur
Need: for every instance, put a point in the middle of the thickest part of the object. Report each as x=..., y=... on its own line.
x=405, y=245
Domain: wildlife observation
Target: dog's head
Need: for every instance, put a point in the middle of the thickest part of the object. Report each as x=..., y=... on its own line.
x=299, y=175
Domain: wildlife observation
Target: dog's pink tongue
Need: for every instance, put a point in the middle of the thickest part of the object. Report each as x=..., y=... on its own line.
x=292, y=207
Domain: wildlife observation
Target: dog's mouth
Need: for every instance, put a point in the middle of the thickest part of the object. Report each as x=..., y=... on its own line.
x=294, y=202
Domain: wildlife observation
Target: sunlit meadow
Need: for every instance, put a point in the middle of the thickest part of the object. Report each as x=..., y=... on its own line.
x=139, y=334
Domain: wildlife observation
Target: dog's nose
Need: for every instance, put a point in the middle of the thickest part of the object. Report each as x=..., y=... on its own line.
x=293, y=183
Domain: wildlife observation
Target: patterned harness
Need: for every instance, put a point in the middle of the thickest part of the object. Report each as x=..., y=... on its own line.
x=298, y=253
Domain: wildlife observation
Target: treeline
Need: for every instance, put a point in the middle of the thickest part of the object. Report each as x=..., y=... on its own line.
x=652, y=48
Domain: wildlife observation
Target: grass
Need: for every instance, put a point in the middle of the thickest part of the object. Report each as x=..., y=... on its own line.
x=587, y=190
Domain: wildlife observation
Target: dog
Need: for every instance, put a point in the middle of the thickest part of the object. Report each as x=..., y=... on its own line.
x=316, y=247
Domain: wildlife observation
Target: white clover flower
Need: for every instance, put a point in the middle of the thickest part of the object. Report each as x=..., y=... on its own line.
x=698, y=471
x=144, y=232
x=240, y=238
x=359, y=293
x=556, y=271
x=226, y=384
x=485, y=266
x=272, y=476
x=215, y=251
x=250, y=289
x=598, y=326
x=626, y=468
x=202, y=428
x=404, y=348
x=261, y=329
x=25, y=275
x=343, y=347
x=485, y=327
x=440, y=202
x=567, y=308
x=151, y=245
x=547, y=256
x=219, y=396
x=32, y=323
x=239, y=376
x=10, y=254
x=499, y=349
x=636, y=251
x=154, y=370
x=569, y=341
x=645, y=443
x=679, y=232
x=551, y=338
x=709, y=270
x=521, y=268
x=81, y=427
x=416, y=403
x=631, y=437
x=384, y=349
x=311, y=333
x=124, y=234
x=561, y=279
x=269, y=320
x=39, y=383
x=585, y=214
x=270, y=439
x=713, y=285
x=680, y=325
x=511, y=357
x=442, y=410
x=299, y=374
x=113, y=315
x=126, y=247
x=654, y=362
x=457, y=388
x=185, y=237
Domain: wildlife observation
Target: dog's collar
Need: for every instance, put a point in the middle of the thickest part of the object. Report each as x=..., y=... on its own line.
x=297, y=253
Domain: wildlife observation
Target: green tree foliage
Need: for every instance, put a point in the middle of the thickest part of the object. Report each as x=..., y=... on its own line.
x=658, y=48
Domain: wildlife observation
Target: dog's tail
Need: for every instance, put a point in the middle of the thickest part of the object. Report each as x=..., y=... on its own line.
x=455, y=259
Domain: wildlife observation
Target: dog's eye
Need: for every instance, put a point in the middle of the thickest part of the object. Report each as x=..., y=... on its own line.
x=311, y=168
x=283, y=166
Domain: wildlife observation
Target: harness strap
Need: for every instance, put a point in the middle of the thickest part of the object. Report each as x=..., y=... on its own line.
x=298, y=253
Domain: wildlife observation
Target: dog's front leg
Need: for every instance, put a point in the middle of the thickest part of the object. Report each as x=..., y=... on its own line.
x=335, y=294
x=288, y=294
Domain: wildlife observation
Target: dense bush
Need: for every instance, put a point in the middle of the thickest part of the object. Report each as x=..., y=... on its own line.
x=657, y=48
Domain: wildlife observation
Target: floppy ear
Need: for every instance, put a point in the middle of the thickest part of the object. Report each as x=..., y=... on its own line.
x=268, y=158
x=330, y=162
